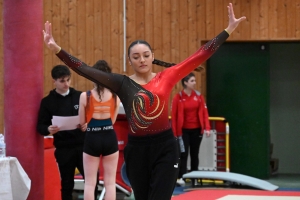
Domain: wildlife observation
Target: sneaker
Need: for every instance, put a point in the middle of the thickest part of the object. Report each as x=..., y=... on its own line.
x=180, y=182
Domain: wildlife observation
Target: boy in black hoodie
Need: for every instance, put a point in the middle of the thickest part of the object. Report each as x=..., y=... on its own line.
x=63, y=101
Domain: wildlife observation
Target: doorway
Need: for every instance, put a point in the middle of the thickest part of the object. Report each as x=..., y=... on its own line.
x=254, y=86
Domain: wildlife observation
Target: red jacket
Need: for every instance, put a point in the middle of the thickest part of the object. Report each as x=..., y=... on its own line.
x=178, y=114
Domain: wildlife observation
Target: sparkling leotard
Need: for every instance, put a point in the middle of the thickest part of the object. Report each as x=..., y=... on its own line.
x=146, y=106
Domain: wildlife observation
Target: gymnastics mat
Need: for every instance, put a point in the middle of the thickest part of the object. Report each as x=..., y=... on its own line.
x=231, y=177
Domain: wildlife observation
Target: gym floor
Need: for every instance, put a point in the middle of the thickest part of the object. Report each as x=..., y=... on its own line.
x=286, y=182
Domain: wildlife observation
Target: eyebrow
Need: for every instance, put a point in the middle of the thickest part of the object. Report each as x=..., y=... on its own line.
x=61, y=80
x=143, y=52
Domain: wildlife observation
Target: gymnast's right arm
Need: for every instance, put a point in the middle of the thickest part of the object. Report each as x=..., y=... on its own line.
x=109, y=80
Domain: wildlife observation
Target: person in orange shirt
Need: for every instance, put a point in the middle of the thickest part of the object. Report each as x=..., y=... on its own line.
x=189, y=122
x=99, y=109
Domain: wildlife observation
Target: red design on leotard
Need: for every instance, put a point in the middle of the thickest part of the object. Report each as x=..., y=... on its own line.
x=145, y=109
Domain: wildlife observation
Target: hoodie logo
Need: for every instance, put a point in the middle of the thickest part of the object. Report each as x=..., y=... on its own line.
x=76, y=107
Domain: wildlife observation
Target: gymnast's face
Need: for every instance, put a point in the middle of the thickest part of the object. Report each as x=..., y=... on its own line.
x=140, y=58
x=62, y=84
x=190, y=84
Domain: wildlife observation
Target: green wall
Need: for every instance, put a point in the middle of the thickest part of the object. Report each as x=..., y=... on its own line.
x=285, y=105
x=238, y=88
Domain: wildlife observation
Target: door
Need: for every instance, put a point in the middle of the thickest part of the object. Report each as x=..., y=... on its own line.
x=238, y=89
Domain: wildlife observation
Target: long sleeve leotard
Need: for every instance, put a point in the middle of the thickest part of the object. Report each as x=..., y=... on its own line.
x=146, y=106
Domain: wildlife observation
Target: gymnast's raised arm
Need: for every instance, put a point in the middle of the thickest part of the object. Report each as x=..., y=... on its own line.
x=109, y=80
x=183, y=68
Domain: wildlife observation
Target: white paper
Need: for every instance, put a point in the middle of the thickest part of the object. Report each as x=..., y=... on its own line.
x=65, y=123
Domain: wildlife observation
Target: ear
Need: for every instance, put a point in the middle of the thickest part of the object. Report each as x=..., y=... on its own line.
x=152, y=56
x=184, y=83
x=129, y=61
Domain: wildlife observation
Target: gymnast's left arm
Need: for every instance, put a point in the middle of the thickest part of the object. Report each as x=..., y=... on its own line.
x=183, y=68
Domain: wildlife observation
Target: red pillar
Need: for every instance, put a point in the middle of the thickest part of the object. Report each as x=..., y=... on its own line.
x=23, y=87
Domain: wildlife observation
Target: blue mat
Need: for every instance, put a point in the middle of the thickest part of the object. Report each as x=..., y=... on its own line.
x=234, y=178
x=179, y=190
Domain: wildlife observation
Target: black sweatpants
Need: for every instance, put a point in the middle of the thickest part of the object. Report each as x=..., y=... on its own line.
x=192, y=140
x=152, y=164
x=68, y=159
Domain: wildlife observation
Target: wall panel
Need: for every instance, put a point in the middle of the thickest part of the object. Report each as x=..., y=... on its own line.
x=291, y=21
x=131, y=30
x=115, y=37
x=297, y=18
x=263, y=20
x=255, y=18
x=93, y=30
x=79, y=27
x=282, y=18
x=73, y=33
x=272, y=17
x=210, y=19
x=158, y=30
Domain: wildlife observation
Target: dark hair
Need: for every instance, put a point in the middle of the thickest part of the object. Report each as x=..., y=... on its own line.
x=60, y=71
x=138, y=42
x=187, y=78
x=155, y=61
x=103, y=66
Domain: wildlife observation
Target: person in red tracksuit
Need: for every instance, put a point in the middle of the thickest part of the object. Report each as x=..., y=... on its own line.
x=189, y=122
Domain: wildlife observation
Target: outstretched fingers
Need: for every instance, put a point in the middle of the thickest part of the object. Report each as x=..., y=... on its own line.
x=48, y=38
x=233, y=22
x=47, y=28
x=50, y=29
x=230, y=11
x=231, y=15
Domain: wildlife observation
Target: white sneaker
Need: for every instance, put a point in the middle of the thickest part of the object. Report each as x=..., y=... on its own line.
x=180, y=182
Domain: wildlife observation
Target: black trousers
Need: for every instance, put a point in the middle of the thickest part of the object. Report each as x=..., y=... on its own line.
x=68, y=159
x=192, y=140
x=152, y=164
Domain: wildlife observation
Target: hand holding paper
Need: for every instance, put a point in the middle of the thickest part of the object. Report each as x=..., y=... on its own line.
x=66, y=123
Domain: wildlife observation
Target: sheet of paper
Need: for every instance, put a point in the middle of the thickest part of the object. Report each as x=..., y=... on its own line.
x=65, y=123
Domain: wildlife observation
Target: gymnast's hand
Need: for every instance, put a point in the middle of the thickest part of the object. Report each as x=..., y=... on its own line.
x=48, y=38
x=233, y=22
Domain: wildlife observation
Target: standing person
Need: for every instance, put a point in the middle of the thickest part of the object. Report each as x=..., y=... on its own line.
x=63, y=101
x=189, y=122
x=152, y=153
x=99, y=109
